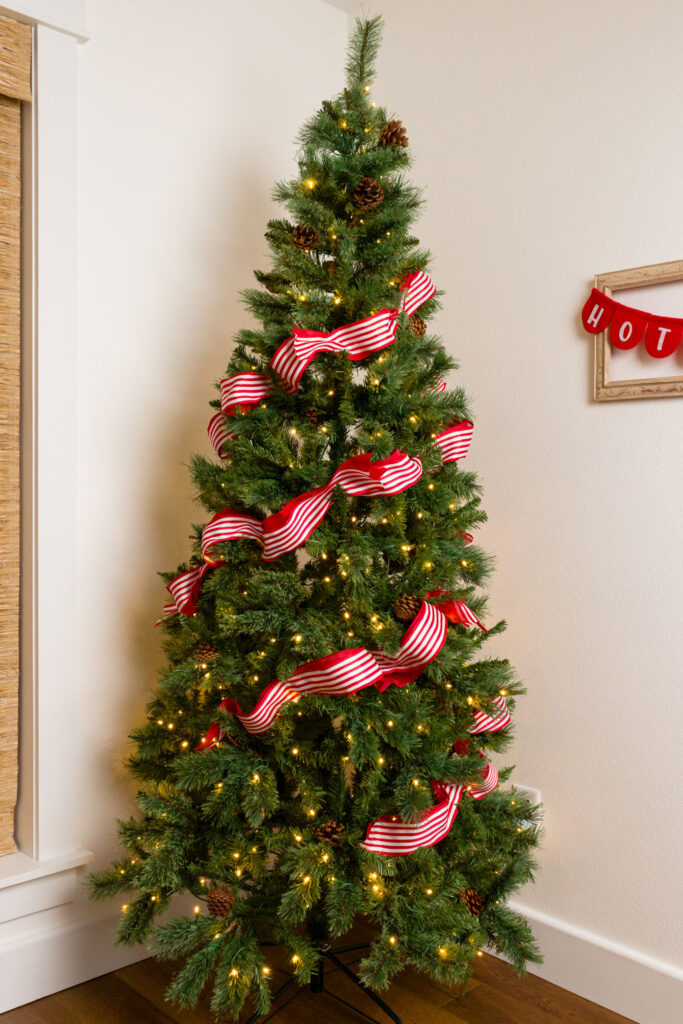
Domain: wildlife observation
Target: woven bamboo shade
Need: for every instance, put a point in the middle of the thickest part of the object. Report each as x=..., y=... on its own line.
x=15, y=86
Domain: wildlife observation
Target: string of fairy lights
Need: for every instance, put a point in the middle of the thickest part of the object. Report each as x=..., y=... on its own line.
x=377, y=887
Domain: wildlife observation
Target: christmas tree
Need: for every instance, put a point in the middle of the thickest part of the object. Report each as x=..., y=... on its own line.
x=318, y=747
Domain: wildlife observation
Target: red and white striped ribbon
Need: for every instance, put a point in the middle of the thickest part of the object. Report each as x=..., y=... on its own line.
x=184, y=590
x=242, y=390
x=219, y=434
x=455, y=611
x=484, y=722
x=455, y=441
x=421, y=643
x=229, y=525
x=458, y=611
x=418, y=287
x=396, y=838
x=489, y=782
x=289, y=528
x=335, y=675
x=347, y=671
x=238, y=392
x=392, y=836
x=358, y=340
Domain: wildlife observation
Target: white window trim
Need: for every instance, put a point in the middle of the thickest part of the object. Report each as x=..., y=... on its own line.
x=47, y=828
x=69, y=16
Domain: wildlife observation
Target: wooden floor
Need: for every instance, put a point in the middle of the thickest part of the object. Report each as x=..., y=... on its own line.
x=134, y=995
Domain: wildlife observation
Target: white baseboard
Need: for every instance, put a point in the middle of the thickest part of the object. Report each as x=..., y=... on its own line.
x=639, y=987
x=48, y=961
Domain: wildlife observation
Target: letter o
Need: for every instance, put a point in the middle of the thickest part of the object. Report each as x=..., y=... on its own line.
x=623, y=336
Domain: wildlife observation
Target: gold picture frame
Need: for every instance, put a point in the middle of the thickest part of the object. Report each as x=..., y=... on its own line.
x=606, y=390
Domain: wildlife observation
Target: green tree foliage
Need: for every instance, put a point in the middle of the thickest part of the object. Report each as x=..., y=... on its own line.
x=244, y=814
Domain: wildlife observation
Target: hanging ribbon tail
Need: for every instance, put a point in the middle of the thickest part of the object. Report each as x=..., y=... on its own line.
x=436, y=389
x=484, y=722
x=489, y=773
x=489, y=776
x=418, y=288
x=215, y=733
x=421, y=643
x=167, y=612
x=393, y=837
x=455, y=441
x=458, y=612
x=239, y=392
x=219, y=434
x=357, y=340
x=184, y=590
x=396, y=838
x=213, y=736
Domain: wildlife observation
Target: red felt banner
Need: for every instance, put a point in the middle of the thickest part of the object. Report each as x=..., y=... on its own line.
x=628, y=326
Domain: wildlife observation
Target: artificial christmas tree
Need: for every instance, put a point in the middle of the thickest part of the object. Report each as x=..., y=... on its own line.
x=311, y=749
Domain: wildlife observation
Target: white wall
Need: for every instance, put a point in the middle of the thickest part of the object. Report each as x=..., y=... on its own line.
x=187, y=113
x=548, y=137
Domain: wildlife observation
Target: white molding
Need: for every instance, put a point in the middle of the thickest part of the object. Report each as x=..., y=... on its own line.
x=50, y=959
x=54, y=444
x=44, y=886
x=640, y=987
x=18, y=869
x=67, y=946
x=69, y=16
x=42, y=875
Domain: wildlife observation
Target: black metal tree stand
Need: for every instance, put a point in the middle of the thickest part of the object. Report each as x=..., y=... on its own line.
x=317, y=983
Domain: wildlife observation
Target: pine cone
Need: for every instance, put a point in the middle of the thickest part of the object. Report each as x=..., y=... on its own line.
x=331, y=267
x=393, y=134
x=406, y=607
x=418, y=326
x=220, y=901
x=311, y=415
x=206, y=653
x=329, y=832
x=473, y=901
x=305, y=238
x=368, y=194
